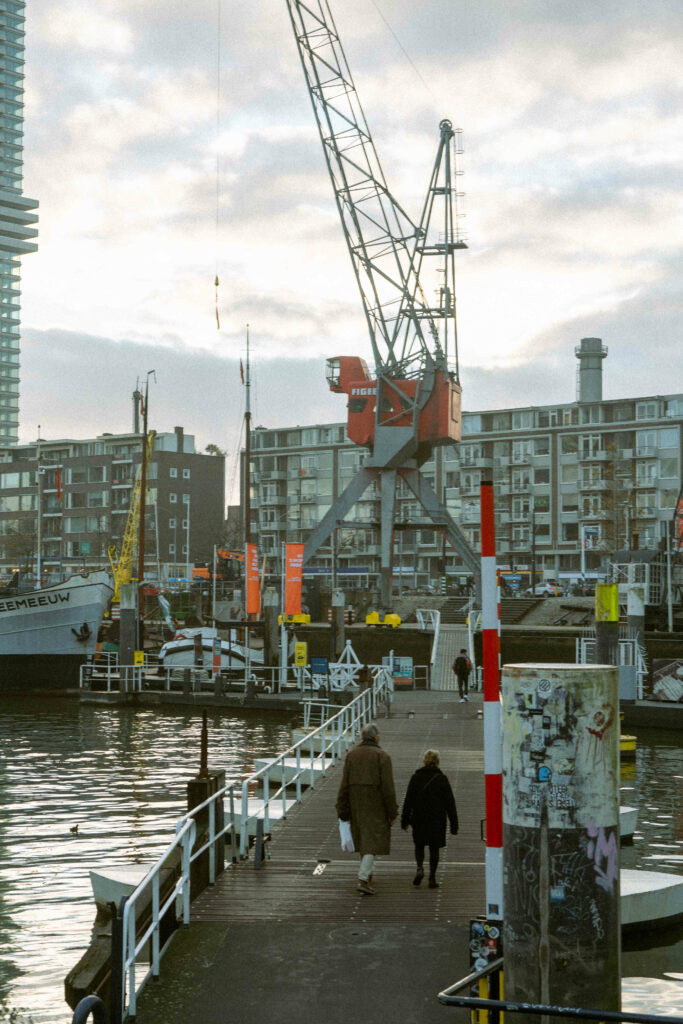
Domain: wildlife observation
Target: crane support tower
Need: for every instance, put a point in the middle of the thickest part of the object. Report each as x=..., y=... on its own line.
x=411, y=403
x=122, y=561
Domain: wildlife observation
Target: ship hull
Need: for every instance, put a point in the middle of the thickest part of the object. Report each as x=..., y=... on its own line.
x=46, y=635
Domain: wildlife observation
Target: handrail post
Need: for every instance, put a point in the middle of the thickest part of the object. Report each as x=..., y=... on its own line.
x=157, y=923
x=244, y=842
x=212, y=842
x=117, y=955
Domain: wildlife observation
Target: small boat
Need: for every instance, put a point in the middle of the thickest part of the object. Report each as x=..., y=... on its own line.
x=46, y=635
x=112, y=885
x=193, y=647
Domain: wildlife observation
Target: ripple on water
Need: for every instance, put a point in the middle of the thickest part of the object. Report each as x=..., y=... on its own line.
x=83, y=786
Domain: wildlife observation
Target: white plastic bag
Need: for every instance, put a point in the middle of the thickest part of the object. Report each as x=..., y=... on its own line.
x=346, y=837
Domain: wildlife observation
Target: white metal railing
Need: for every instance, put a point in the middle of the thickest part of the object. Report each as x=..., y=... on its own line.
x=134, y=946
x=298, y=766
x=430, y=619
x=106, y=670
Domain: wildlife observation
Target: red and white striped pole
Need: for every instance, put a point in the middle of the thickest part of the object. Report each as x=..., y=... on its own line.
x=493, y=733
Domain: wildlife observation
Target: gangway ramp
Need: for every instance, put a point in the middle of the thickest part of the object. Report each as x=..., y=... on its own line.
x=296, y=938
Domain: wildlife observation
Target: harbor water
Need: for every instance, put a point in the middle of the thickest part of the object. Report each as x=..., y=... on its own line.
x=87, y=786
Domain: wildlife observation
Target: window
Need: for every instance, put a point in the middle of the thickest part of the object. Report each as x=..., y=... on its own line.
x=542, y=446
x=309, y=436
x=646, y=472
x=569, y=444
x=521, y=450
x=646, y=410
x=501, y=421
x=471, y=424
x=590, y=446
x=74, y=524
x=667, y=497
x=184, y=526
x=520, y=534
x=173, y=498
x=645, y=442
x=570, y=531
x=77, y=476
x=570, y=474
x=674, y=408
x=309, y=462
x=96, y=474
x=646, y=503
x=667, y=438
x=541, y=476
x=668, y=468
x=521, y=478
x=522, y=420
x=186, y=474
x=171, y=549
x=186, y=499
x=77, y=499
x=173, y=472
x=520, y=507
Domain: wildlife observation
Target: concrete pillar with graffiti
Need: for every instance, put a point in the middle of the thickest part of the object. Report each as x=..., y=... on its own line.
x=561, y=835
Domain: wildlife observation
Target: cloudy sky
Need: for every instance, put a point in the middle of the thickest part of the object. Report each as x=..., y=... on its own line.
x=167, y=142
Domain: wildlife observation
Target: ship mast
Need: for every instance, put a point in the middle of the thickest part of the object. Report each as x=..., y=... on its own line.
x=39, y=529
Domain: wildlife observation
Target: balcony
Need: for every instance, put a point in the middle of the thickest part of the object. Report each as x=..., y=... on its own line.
x=272, y=499
x=646, y=451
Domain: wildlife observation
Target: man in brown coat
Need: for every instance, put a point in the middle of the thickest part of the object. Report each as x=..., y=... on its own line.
x=367, y=799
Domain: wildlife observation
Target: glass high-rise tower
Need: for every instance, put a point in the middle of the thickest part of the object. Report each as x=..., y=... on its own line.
x=17, y=222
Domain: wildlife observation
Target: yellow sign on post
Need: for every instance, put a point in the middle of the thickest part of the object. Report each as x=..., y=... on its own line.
x=138, y=657
x=300, y=654
x=606, y=602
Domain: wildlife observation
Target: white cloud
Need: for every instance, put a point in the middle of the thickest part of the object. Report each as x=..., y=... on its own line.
x=572, y=130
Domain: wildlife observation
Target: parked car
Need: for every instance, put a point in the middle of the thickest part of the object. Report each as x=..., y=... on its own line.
x=544, y=590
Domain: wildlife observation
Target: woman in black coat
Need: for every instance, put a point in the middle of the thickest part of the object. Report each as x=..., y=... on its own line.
x=429, y=802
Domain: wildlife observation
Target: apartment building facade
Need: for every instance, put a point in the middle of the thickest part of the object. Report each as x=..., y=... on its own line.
x=17, y=219
x=605, y=473
x=84, y=490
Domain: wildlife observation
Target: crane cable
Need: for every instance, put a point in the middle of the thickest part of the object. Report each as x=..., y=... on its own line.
x=218, y=158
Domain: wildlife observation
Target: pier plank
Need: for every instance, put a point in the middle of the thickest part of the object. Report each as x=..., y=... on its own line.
x=307, y=877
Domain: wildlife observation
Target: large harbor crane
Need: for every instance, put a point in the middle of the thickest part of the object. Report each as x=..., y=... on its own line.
x=412, y=402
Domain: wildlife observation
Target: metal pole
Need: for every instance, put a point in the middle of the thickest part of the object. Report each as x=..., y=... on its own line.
x=213, y=590
x=39, y=522
x=583, y=559
x=669, y=597
x=493, y=767
x=187, y=541
x=156, y=537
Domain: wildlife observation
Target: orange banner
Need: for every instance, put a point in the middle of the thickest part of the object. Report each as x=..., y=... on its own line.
x=252, y=578
x=294, y=570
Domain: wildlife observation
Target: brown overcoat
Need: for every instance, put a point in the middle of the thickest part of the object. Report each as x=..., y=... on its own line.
x=367, y=798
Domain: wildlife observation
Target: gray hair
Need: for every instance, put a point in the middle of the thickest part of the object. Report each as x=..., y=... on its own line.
x=368, y=732
x=431, y=758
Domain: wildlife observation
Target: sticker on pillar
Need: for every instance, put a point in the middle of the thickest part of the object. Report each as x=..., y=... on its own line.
x=544, y=773
x=557, y=894
x=544, y=688
x=138, y=657
x=300, y=654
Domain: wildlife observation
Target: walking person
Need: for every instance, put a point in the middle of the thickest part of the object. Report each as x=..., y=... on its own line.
x=462, y=666
x=367, y=798
x=429, y=802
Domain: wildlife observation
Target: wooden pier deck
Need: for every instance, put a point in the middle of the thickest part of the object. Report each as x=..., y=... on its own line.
x=298, y=938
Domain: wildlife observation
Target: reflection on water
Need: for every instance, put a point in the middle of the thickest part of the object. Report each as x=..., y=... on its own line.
x=83, y=786
x=654, y=784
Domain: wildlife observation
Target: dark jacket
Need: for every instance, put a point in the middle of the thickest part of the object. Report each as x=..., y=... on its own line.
x=367, y=797
x=429, y=801
x=462, y=666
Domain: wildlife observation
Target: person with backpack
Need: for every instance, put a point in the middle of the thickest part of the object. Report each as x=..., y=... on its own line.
x=428, y=803
x=462, y=666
